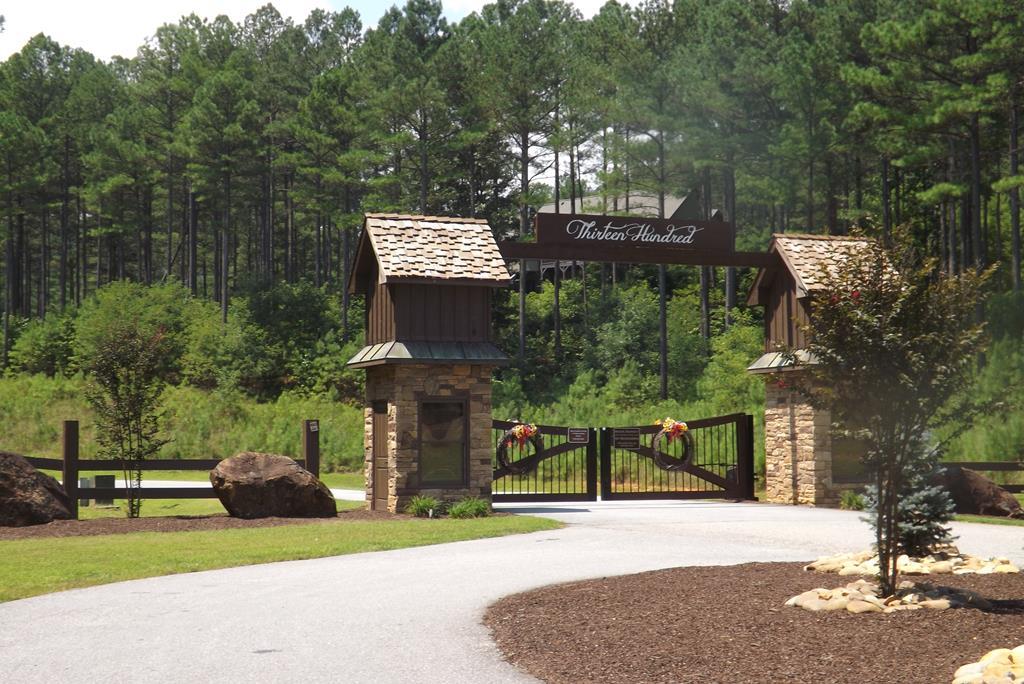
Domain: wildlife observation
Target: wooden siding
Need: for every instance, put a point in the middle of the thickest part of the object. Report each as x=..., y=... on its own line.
x=380, y=314
x=442, y=313
x=784, y=314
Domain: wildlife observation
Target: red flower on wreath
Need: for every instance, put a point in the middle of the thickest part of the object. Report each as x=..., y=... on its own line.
x=522, y=433
x=855, y=295
x=672, y=428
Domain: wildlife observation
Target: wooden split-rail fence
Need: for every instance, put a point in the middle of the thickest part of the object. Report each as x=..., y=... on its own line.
x=70, y=466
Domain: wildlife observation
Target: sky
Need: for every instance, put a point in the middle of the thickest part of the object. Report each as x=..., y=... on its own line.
x=118, y=27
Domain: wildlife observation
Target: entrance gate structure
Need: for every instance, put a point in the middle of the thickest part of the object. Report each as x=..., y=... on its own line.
x=568, y=463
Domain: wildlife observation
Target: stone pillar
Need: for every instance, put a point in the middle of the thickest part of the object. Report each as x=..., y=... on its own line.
x=798, y=450
x=403, y=386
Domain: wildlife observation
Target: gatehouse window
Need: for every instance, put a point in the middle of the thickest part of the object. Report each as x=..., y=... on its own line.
x=443, y=453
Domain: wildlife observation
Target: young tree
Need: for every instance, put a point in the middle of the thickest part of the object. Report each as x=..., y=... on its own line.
x=892, y=345
x=124, y=391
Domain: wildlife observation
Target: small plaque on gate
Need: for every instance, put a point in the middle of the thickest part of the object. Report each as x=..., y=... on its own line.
x=578, y=435
x=314, y=426
x=626, y=438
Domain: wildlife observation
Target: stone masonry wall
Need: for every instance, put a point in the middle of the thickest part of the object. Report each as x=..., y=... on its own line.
x=403, y=386
x=798, y=450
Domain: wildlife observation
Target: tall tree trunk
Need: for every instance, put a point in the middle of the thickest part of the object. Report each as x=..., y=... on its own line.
x=44, y=258
x=346, y=266
x=8, y=280
x=62, y=278
x=886, y=204
x=169, y=247
x=705, y=271
x=193, y=243
x=289, y=249
x=977, y=245
x=524, y=187
x=730, y=207
x=1015, y=267
x=662, y=278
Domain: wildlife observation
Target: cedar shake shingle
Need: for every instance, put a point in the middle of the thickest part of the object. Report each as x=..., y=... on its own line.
x=806, y=255
x=435, y=248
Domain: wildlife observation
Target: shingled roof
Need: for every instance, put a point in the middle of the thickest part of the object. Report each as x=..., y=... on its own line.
x=805, y=256
x=437, y=249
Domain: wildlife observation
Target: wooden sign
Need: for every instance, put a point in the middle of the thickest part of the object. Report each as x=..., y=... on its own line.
x=578, y=435
x=626, y=438
x=634, y=231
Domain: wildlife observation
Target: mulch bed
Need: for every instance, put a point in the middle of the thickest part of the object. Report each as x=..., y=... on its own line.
x=728, y=624
x=183, y=523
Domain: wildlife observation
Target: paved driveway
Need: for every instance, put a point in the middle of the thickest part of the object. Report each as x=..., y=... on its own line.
x=411, y=615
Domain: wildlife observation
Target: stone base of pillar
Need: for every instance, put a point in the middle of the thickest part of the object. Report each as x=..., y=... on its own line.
x=798, y=450
x=403, y=387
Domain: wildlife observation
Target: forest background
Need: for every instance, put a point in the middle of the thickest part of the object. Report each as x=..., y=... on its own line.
x=212, y=187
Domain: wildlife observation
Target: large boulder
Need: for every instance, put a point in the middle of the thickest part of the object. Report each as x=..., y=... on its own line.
x=974, y=493
x=255, y=485
x=27, y=496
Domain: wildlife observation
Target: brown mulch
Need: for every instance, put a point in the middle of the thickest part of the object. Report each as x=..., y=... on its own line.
x=728, y=624
x=181, y=523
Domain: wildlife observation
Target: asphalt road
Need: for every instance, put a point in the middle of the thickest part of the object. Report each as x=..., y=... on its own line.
x=411, y=615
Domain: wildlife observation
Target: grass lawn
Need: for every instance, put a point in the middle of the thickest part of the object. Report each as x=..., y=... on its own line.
x=38, y=566
x=335, y=480
x=159, y=507
x=988, y=520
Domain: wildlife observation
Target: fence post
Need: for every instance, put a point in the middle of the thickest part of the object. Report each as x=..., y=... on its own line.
x=745, y=457
x=69, y=452
x=592, y=464
x=606, y=464
x=311, y=446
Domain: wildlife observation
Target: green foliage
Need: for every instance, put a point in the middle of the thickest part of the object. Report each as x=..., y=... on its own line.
x=225, y=355
x=850, y=500
x=161, y=308
x=893, y=345
x=424, y=507
x=196, y=423
x=45, y=346
x=124, y=392
x=470, y=507
x=923, y=510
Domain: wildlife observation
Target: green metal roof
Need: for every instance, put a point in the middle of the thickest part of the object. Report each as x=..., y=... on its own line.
x=776, y=361
x=428, y=352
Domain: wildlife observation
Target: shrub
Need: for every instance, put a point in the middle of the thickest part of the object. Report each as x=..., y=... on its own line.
x=124, y=391
x=893, y=344
x=470, y=507
x=45, y=346
x=150, y=309
x=851, y=501
x=424, y=507
x=225, y=355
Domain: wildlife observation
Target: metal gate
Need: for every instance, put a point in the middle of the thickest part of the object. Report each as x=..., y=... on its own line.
x=565, y=469
x=720, y=465
x=564, y=463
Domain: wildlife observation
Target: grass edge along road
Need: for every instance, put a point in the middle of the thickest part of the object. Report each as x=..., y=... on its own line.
x=30, y=567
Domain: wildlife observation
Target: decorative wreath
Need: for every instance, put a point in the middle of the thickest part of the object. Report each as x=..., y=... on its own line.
x=672, y=430
x=521, y=434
